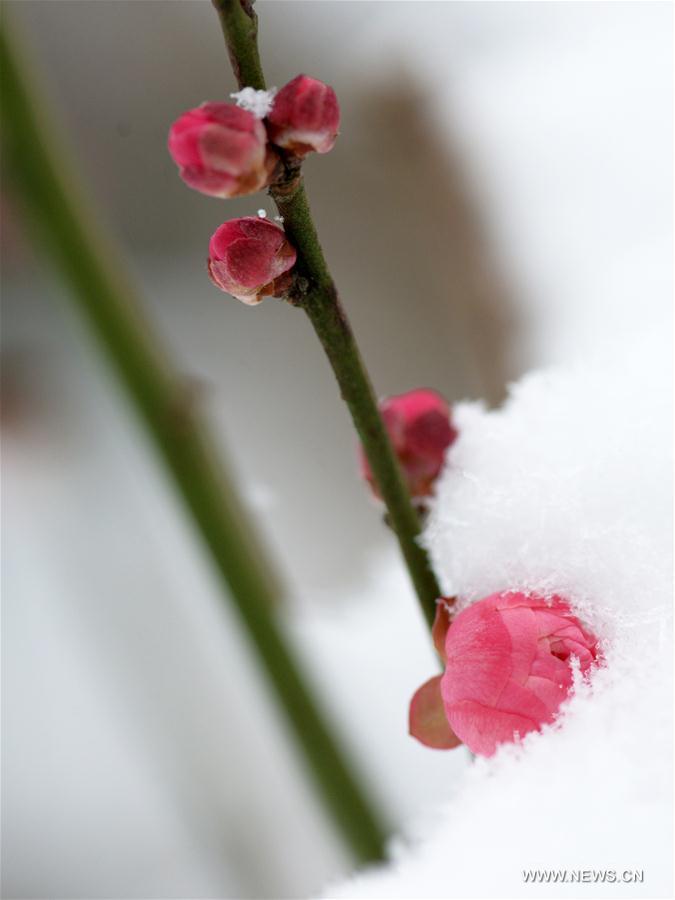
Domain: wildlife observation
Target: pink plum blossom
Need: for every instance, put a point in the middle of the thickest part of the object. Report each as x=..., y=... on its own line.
x=222, y=150
x=305, y=117
x=419, y=427
x=508, y=666
x=250, y=258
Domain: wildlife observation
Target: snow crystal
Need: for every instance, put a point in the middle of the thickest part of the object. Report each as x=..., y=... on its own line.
x=257, y=102
x=262, y=213
x=565, y=489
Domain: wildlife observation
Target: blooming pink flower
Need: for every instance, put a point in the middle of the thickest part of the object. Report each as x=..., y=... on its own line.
x=221, y=150
x=419, y=426
x=509, y=666
x=305, y=116
x=250, y=258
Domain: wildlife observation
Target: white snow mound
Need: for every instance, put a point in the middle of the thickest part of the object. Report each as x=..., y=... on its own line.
x=565, y=489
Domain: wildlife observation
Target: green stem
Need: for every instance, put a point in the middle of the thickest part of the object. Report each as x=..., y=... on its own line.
x=321, y=302
x=240, y=30
x=158, y=394
x=326, y=313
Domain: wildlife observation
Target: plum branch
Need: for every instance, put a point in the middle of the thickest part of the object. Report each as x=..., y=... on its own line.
x=316, y=293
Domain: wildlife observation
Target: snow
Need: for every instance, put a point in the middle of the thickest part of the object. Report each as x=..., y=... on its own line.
x=565, y=488
x=257, y=102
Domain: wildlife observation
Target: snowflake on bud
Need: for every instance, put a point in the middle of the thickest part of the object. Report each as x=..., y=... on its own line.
x=305, y=116
x=222, y=150
x=251, y=258
x=257, y=102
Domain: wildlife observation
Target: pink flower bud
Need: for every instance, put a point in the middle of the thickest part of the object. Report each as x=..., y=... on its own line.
x=250, y=258
x=509, y=666
x=305, y=117
x=221, y=150
x=419, y=427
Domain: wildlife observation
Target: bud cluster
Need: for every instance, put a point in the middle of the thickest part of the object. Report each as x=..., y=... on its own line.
x=231, y=150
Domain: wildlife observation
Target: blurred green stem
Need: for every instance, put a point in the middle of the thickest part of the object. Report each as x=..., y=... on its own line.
x=320, y=300
x=95, y=276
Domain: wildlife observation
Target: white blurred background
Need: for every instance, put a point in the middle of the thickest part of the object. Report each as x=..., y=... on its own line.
x=500, y=198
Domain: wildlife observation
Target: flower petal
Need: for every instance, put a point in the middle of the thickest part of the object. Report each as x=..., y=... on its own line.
x=483, y=729
x=478, y=649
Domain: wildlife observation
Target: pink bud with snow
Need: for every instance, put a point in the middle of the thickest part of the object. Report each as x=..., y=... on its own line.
x=508, y=667
x=250, y=258
x=305, y=116
x=222, y=150
x=420, y=429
